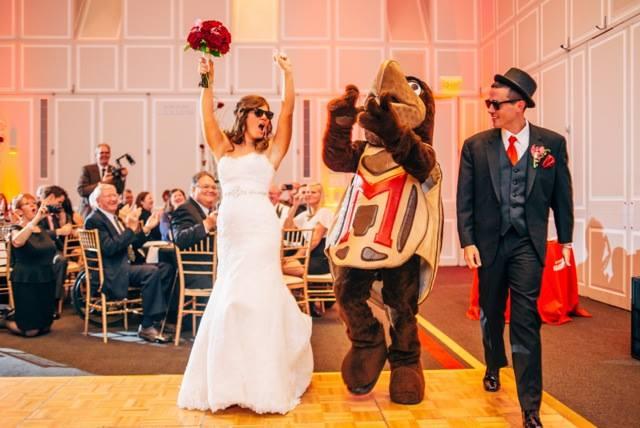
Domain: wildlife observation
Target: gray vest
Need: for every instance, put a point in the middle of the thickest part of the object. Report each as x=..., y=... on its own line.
x=513, y=187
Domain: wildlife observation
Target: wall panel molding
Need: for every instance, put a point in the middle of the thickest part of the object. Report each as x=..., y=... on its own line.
x=48, y=6
x=153, y=4
x=116, y=69
x=524, y=35
x=283, y=17
x=11, y=87
x=370, y=4
x=44, y=67
x=148, y=69
x=8, y=23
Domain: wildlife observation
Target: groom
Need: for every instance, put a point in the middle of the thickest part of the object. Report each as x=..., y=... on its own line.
x=509, y=178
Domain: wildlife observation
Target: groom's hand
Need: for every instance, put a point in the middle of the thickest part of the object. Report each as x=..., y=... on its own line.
x=472, y=257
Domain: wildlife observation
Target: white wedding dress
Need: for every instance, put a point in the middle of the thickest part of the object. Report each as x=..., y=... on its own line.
x=253, y=345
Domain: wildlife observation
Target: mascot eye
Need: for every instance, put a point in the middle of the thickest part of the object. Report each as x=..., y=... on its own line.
x=415, y=87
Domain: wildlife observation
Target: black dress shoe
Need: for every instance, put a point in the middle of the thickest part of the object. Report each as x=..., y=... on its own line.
x=531, y=419
x=491, y=380
x=150, y=334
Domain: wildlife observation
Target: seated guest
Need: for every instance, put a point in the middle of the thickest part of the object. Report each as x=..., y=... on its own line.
x=176, y=198
x=192, y=220
x=126, y=199
x=282, y=210
x=166, y=194
x=33, y=278
x=115, y=239
x=144, y=201
x=315, y=217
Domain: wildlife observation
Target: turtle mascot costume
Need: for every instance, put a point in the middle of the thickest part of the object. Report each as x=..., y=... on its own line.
x=387, y=235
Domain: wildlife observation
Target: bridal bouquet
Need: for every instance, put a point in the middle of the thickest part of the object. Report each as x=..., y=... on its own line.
x=208, y=37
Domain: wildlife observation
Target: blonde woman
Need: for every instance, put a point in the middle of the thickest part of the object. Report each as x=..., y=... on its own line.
x=253, y=346
x=316, y=217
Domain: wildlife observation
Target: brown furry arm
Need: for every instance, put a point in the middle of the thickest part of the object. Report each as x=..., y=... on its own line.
x=339, y=153
x=416, y=157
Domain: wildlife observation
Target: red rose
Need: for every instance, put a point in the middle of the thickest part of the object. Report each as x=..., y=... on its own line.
x=194, y=38
x=548, y=161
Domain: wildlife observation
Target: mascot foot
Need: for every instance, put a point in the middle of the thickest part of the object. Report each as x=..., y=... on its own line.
x=362, y=367
x=407, y=384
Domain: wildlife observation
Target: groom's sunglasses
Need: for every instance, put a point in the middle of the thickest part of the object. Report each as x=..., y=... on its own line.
x=259, y=112
x=496, y=104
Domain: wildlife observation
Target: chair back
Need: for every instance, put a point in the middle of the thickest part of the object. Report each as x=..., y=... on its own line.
x=72, y=250
x=198, y=260
x=5, y=264
x=295, y=250
x=296, y=247
x=92, y=255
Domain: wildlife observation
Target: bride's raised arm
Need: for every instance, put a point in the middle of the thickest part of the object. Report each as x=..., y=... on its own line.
x=282, y=138
x=213, y=135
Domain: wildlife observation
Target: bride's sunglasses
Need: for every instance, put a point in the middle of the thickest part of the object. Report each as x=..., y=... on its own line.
x=259, y=112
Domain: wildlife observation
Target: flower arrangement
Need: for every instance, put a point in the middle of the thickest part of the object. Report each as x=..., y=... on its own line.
x=208, y=37
x=542, y=154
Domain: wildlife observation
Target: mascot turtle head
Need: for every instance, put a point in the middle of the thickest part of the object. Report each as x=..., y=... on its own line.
x=412, y=99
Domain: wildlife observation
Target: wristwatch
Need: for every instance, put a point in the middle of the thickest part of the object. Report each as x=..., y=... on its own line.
x=568, y=245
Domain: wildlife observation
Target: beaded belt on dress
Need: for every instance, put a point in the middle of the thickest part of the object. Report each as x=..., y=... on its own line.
x=237, y=191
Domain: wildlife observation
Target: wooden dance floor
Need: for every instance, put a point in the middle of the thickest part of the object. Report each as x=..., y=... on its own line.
x=454, y=398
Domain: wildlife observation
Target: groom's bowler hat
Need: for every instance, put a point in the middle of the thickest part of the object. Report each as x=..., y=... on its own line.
x=520, y=82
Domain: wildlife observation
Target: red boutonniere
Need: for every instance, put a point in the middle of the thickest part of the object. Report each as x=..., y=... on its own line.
x=542, y=154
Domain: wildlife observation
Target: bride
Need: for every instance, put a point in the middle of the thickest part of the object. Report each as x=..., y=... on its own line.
x=253, y=346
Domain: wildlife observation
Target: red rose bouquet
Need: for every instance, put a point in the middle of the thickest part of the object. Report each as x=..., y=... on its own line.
x=208, y=37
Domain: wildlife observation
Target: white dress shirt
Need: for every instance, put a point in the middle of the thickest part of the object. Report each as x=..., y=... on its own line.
x=523, y=139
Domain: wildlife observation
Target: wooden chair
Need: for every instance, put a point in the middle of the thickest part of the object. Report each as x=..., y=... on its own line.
x=295, y=250
x=320, y=288
x=72, y=251
x=90, y=244
x=5, y=266
x=197, y=260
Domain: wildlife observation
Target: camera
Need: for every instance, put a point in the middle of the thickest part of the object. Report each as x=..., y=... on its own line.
x=117, y=172
x=53, y=209
x=287, y=186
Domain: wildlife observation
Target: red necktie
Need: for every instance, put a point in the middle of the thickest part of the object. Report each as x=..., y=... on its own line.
x=512, y=154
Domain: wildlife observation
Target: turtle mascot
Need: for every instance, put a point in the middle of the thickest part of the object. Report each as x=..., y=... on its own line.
x=386, y=239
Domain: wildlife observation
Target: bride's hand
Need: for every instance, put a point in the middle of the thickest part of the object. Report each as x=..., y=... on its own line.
x=283, y=62
x=206, y=67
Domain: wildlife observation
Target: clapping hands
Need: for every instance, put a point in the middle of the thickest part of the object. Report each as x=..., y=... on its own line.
x=132, y=218
x=152, y=221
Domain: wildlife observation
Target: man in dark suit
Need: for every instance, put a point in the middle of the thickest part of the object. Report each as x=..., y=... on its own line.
x=195, y=218
x=509, y=178
x=99, y=172
x=116, y=238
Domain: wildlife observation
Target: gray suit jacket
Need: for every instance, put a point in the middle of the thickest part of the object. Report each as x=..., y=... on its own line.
x=89, y=179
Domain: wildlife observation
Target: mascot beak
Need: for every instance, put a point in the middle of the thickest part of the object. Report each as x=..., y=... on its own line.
x=407, y=105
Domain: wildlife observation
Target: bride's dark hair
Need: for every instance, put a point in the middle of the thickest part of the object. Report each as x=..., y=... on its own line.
x=243, y=107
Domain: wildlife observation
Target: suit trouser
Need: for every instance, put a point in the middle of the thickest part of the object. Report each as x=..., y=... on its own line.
x=60, y=272
x=516, y=269
x=400, y=292
x=155, y=281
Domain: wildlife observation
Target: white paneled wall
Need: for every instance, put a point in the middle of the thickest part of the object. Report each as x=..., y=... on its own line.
x=138, y=91
x=587, y=91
